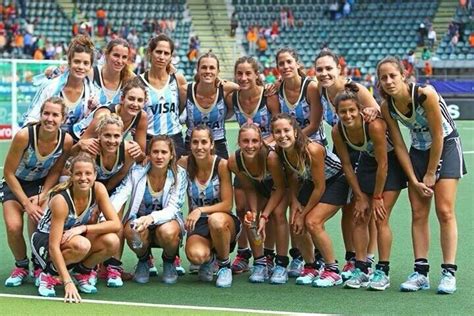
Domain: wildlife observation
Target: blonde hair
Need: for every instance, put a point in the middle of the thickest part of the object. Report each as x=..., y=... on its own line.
x=81, y=157
x=109, y=119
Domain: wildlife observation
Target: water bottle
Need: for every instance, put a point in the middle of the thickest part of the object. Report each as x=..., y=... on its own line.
x=254, y=232
x=136, y=239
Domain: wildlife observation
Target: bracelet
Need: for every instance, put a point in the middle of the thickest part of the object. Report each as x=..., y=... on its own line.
x=67, y=282
x=377, y=197
x=265, y=217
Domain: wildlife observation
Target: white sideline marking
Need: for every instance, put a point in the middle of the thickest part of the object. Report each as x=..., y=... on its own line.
x=468, y=152
x=190, y=307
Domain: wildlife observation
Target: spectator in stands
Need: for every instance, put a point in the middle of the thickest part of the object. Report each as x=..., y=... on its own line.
x=59, y=51
x=452, y=29
x=275, y=30
x=453, y=43
x=356, y=74
x=422, y=33
x=100, y=14
x=463, y=5
x=18, y=44
x=262, y=45
x=252, y=37
x=270, y=78
x=428, y=70
x=346, y=9
x=283, y=18
x=38, y=55
x=28, y=41
x=234, y=23
x=333, y=9
x=133, y=38
x=431, y=37
x=193, y=50
x=343, y=64
x=471, y=39
x=49, y=50
x=75, y=29
x=146, y=26
x=291, y=19
x=3, y=40
x=171, y=24
x=426, y=55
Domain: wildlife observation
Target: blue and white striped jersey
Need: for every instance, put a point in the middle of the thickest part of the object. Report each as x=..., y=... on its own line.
x=162, y=107
x=104, y=95
x=103, y=173
x=260, y=115
x=213, y=117
x=32, y=165
x=209, y=193
x=417, y=122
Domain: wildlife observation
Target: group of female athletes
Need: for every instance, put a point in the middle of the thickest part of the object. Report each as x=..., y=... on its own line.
x=97, y=137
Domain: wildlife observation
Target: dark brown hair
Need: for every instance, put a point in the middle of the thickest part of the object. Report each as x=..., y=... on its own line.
x=252, y=62
x=293, y=54
x=80, y=44
x=398, y=64
x=192, y=164
x=169, y=141
x=209, y=54
x=126, y=72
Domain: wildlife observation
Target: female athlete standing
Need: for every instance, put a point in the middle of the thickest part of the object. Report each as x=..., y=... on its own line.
x=32, y=167
x=212, y=229
x=434, y=164
x=68, y=235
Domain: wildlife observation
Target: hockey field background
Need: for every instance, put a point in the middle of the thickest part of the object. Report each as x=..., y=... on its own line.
x=158, y=298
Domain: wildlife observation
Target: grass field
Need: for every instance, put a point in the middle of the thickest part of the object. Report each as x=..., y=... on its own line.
x=288, y=298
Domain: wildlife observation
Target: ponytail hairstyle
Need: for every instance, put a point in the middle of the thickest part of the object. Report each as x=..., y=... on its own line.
x=132, y=84
x=126, y=73
x=294, y=54
x=192, y=164
x=301, y=141
x=154, y=42
x=81, y=44
x=55, y=100
x=349, y=93
x=253, y=63
x=263, y=151
x=398, y=64
x=209, y=54
x=81, y=157
x=173, y=165
x=326, y=52
x=109, y=119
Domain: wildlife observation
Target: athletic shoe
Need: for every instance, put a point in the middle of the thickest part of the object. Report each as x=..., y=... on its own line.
x=46, y=284
x=379, y=281
x=170, y=275
x=279, y=275
x=224, y=277
x=114, y=277
x=358, y=279
x=347, y=270
x=142, y=272
x=179, y=268
x=307, y=276
x=17, y=277
x=206, y=271
x=94, y=275
x=415, y=282
x=259, y=274
x=327, y=278
x=240, y=264
x=194, y=268
x=82, y=280
x=36, y=276
x=295, y=268
x=447, y=284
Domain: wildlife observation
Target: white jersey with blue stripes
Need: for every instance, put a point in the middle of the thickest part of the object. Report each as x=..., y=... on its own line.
x=103, y=173
x=329, y=110
x=104, y=95
x=301, y=109
x=208, y=193
x=33, y=165
x=213, y=117
x=152, y=201
x=417, y=122
x=72, y=220
x=260, y=116
x=162, y=107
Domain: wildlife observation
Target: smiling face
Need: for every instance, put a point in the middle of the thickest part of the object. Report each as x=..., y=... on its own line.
x=160, y=56
x=117, y=59
x=283, y=133
x=83, y=175
x=348, y=113
x=391, y=78
x=327, y=71
x=160, y=154
x=134, y=101
x=51, y=116
x=250, y=142
x=110, y=138
x=201, y=144
x=287, y=65
x=246, y=76
x=208, y=70
x=80, y=65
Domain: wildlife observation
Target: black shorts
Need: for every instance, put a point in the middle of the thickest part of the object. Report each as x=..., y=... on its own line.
x=220, y=147
x=367, y=172
x=40, y=249
x=178, y=144
x=31, y=188
x=202, y=229
x=451, y=163
x=354, y=155
x=336, y=192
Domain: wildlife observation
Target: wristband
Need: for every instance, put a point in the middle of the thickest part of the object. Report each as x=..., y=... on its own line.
x=265, y=217
x=377, y=197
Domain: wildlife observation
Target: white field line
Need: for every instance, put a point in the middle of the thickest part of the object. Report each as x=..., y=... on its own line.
x=186, y=307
